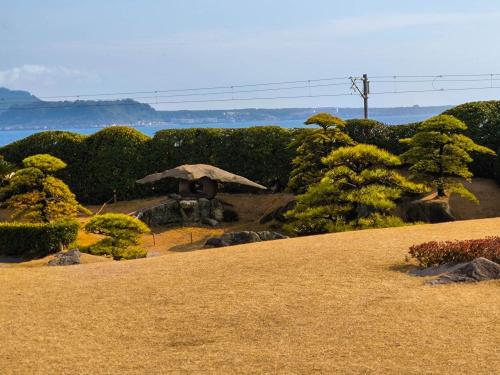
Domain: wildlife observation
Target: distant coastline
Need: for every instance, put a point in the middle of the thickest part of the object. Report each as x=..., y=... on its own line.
x=391, y=116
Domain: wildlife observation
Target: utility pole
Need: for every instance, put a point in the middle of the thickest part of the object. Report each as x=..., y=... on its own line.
x=364, y=92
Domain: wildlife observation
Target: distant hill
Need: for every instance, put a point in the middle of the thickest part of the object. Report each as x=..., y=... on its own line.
x=76, y=114
x=21, y=110
x=9, y=98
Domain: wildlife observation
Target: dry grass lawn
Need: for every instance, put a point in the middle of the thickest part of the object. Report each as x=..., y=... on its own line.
x=337, y=303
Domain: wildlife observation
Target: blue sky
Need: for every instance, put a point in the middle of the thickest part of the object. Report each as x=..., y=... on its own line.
x=67, y=47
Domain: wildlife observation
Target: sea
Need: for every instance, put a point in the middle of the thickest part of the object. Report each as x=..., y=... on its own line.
x=9, y=136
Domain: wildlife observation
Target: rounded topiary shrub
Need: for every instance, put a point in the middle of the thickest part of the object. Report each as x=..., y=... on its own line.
x=122, y=236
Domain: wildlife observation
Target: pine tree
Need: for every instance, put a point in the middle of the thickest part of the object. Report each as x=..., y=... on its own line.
x=122, y=236
x=36, y=195
x=358, y=191
x=312, y=146
x=439, y=155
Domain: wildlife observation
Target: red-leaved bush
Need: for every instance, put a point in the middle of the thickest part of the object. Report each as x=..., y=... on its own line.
x=436, y=253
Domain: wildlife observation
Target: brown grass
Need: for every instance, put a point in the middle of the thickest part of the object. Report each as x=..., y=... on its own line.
x=336, y=303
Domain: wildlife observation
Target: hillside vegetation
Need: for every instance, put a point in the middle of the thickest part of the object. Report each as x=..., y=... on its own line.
x=332, y=303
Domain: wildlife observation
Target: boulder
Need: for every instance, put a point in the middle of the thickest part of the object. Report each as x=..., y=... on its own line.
x=216, y=209
x=216, y=242
x=190, y=211
x=479, y=269
x=270, y=236
x=68, y=258
x=238, y=238
x=164, y=214
x=209, y=221
x=204, y=207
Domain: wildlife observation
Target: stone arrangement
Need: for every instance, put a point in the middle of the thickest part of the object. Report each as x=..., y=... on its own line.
x=187, y=211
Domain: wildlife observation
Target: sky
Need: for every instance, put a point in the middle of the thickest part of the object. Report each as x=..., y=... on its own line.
x=56, y=47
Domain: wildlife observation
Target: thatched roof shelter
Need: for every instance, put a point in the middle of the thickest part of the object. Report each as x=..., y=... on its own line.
x=202, y=173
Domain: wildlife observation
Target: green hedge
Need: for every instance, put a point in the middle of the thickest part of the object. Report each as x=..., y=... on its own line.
x=35, y=240
x=381, y=135
x=483, y=123
x=112, y=159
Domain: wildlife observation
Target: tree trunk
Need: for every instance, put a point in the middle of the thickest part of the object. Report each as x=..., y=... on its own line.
x=440, y=191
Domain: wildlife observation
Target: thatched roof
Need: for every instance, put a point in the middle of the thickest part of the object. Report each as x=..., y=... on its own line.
x=192, y=172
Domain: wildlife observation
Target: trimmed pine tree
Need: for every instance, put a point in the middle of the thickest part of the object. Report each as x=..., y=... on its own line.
x=312, y=146
x=36, y=195
x=439, y=155
x=358, y=191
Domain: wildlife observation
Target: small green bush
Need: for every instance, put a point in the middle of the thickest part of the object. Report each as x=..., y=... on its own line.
x=122, y=236
x=29, y=240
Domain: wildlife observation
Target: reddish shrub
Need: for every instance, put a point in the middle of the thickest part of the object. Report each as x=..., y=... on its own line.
x=435, y=253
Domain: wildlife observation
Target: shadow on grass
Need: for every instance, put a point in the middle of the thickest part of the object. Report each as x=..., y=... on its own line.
x=403, y=267
x=184, y=248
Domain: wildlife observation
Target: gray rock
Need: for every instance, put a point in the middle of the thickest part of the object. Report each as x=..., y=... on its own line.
x=479, y=269
x=238, y=238
x=209, y=221
x=201, y=210
x=66, y=258
x=216, y=209
x=204, y=206
x=269, y=236
x=190, y=211
x=163, y=214
x=216, y=242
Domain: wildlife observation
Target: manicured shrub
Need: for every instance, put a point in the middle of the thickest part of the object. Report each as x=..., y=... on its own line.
x=312, y=146
x=439, y=154
x=36, y=240
x=358, y=190
x=122, y=236
x=436, y=253
x=36, y=195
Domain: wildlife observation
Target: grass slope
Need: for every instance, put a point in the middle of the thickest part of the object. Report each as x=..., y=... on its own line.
x=336, y=303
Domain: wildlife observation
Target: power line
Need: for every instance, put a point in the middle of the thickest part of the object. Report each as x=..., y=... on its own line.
x=267, y=87
x=197, y=88
x=128, y=102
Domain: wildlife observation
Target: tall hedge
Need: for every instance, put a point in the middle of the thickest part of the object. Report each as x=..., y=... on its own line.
x=29, y=240
x=112, y=159
x=381, y=135
x=483, y=126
